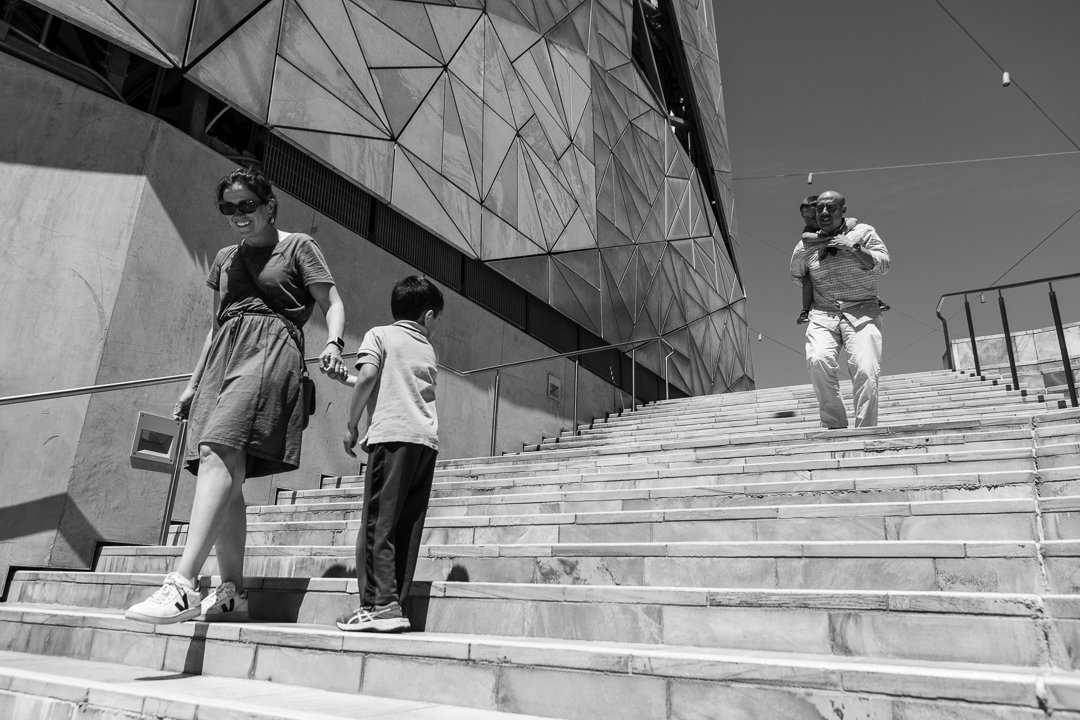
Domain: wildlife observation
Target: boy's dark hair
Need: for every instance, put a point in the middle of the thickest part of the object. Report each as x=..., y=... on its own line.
x=413, y=296
x=808, y=201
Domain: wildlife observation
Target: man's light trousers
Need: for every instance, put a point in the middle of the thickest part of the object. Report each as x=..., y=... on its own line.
x=860, y=336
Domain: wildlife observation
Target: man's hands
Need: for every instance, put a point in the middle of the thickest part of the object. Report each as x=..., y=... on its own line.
x=351, y=435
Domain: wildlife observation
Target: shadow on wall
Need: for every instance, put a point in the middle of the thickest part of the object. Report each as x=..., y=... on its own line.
x=46, y=515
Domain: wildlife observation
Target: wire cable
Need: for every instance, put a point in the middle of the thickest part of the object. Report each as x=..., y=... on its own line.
x=1002, y=69
x=909, y=165
x=1036, y=247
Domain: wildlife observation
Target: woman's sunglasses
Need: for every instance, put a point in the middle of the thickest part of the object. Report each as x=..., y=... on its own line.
x=246, y=207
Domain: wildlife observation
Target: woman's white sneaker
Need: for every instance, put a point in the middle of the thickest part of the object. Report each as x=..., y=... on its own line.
x=225, y=605
x=175, y=601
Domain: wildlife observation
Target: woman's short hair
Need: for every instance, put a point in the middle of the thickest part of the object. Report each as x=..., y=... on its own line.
x=250, y=178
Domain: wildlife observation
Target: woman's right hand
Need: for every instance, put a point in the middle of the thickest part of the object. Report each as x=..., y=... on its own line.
x=183, y=403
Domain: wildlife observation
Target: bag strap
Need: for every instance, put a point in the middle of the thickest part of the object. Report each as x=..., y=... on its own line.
x=295, y=333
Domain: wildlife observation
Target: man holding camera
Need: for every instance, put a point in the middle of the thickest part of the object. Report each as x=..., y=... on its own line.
x=843, y=265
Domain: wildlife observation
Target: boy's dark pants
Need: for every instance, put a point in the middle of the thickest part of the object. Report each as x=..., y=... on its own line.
x=396, y=489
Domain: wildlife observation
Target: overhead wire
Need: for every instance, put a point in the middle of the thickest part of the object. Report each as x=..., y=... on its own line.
x=908, y=165
x=1002, y=69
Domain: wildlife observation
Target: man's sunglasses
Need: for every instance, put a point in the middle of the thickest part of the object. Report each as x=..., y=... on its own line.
x=246, y=207
x=827, y=207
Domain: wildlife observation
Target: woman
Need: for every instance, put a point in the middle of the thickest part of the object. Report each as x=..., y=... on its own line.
x=245, y=398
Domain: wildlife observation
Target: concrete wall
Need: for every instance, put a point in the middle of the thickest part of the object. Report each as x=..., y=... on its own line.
x=1037, y=353
x=108, y=233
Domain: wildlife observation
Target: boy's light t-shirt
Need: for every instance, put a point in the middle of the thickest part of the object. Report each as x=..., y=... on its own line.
x=402, y=403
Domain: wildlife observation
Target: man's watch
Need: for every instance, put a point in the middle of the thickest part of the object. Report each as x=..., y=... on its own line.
x=339, y=342
x=857, y=246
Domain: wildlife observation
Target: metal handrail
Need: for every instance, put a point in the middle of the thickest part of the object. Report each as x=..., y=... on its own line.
x=111, y=387
x=1066, y=361
x=576, y=354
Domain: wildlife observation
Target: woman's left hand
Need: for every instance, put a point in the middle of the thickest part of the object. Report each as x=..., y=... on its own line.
x=330, y=362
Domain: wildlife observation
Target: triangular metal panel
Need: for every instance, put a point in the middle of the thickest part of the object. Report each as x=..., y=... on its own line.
x=530, y=273
x=452, y=25
x=471, y=111
x=401, y=90
x=332, y=22
x=214, y=19
x=418, y=201
x=585, y=264
x=468, y=62
x=383, y=46
x=575, y=298
x=508, y=22
x=300, y=102
x=462, y=209
x=241, y=68
x=370, y=162
x=608, y=235
x=408, y=20
x=304, y=47
x=500, y=240
x=576, y=236
x=499, y=143
x=166, y=25
x=423, y=136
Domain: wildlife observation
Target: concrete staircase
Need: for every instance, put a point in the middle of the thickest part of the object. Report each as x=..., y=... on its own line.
x=714, y=557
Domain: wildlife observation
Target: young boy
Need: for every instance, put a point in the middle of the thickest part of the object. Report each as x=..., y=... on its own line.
x=810, y=238
x=395, y=381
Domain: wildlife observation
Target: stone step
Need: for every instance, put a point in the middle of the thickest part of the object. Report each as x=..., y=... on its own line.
x=745, y=428
x=732, y=471
x=887, y=393
x=45, y=686
x=776, y=438
x=807, y=405
x=990, y=628
x=344, y=506
x=954, y=566
x=741, y=424
x=1001, y=519
x=887, y=384
x=555, y=678
x=795, y=450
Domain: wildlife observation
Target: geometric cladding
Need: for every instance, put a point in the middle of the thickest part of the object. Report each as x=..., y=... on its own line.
x=525, y=133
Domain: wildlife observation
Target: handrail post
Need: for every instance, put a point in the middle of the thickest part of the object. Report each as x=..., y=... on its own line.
x=174, y=483
x=667, y=375
x=1065, y=360
x=971, y=334
x=949, y=363
x=577, y=366
x=1008, y=341
x=633, y=379
x=494, y=412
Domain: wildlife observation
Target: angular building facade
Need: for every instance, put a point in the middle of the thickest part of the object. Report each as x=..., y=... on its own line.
x=577, y=148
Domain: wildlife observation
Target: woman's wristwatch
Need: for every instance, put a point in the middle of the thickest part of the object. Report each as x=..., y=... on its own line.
x=339, y=342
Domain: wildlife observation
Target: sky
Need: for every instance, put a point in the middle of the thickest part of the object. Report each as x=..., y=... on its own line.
x=831, y=86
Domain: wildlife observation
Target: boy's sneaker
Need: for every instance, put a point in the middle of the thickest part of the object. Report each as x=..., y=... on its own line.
x=224, y=604
x=384, y=618
x=804, y=318
x=175, y=601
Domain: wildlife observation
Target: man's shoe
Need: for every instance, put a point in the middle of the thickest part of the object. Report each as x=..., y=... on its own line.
x=225, y=605
x=175, y=601
x=379, y=618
